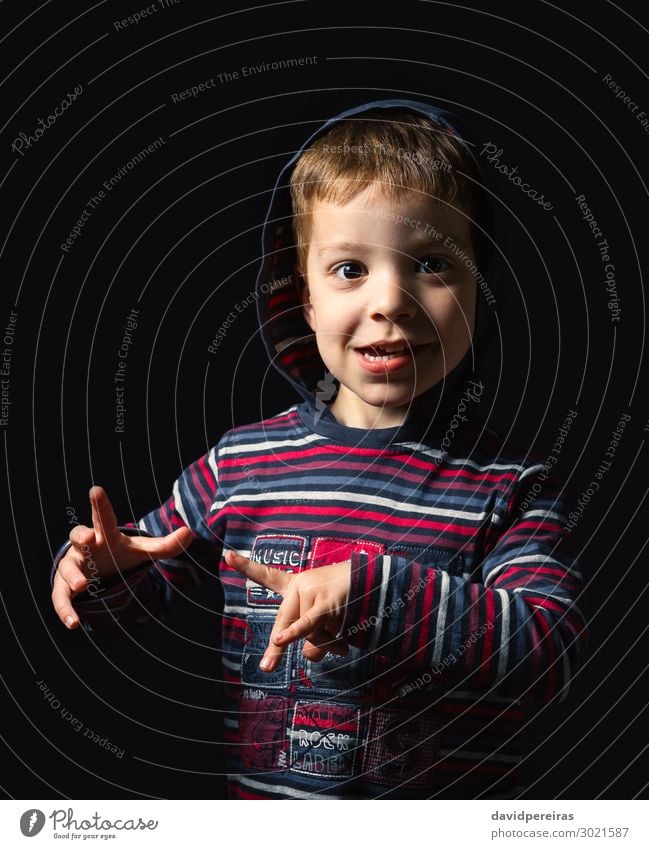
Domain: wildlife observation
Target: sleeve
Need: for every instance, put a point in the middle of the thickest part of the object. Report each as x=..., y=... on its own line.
x=516, y=631
x=148, y=591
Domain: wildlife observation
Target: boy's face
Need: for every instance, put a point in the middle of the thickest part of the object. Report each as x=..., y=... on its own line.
x=391, y=298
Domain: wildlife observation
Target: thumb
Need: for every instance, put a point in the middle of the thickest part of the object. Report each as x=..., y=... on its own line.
x=171, y=545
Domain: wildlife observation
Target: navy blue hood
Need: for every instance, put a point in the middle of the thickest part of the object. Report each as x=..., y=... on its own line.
x=291, y=343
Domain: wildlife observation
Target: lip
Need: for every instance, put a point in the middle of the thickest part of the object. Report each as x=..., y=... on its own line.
x=388, y=364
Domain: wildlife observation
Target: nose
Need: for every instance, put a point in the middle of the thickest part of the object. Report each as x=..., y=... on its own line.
x=391, y=298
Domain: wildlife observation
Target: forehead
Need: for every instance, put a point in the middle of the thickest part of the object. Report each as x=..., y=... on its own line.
x=372, y=217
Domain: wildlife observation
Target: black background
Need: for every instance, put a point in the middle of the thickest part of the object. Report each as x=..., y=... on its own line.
x=179, y=238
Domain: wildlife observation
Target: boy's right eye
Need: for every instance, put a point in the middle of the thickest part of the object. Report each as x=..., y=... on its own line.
x=349, y=270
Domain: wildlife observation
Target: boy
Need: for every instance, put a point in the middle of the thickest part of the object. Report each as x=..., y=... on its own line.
x=390, y=603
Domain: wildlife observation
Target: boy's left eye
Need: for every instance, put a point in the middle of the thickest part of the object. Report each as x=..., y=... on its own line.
x=432, y=265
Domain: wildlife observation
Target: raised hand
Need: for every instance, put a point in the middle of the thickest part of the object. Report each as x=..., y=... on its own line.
x=313, y=607
x=99, y=553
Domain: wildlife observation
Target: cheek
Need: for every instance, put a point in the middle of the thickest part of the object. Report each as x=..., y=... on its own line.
x=454, y=317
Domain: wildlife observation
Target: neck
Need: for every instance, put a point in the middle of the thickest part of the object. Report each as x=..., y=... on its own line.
x=368, y=418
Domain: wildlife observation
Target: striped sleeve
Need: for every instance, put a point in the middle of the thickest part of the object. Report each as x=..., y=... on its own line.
x=516, y=631
x=148, y=591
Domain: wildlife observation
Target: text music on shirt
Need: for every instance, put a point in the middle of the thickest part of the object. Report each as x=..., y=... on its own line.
x=276, y=557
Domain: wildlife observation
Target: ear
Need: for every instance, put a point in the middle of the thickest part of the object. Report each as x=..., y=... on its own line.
x=304, y=296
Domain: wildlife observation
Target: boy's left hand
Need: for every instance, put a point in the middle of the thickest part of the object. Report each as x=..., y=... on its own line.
x=313, y=607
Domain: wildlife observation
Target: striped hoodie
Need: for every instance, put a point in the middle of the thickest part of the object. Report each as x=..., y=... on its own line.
x=463, y=586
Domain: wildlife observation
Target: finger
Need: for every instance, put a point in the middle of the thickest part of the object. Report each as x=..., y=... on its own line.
x=288, y=611
x=159, y=547
x=104, y=520
x=62, y=603
x=272, y=579
x=309, y=623
x=81, y=536
x=313, y=653
x=72, y=574
x=321, y=642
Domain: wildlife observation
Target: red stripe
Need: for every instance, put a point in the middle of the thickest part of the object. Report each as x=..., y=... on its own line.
x=282, y=298
x=281, y=523
x=290, y=358
x=262, y=469
x=285, y=420
x=544, y=602
x=482, y=676
x=360, y=515
x=237, y=792
x=514, y=572
x=379, y=454
x=474, y=610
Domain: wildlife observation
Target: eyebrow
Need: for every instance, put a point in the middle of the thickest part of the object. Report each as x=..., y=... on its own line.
x=341, y=247
x=419, y=240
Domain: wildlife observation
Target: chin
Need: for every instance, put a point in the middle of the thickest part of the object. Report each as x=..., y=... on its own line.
x=390, y=401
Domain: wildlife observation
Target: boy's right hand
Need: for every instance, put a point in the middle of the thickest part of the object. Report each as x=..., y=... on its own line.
x=103, y=551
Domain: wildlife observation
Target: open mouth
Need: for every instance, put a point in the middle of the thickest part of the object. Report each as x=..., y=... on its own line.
x=378, y=353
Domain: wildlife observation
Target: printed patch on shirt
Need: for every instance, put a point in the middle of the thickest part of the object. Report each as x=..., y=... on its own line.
x=345, y=676
x=264, y=741
x=401, y=749
x=324, y=739
x=258, y=630
x=328, y=550
x=281, y=551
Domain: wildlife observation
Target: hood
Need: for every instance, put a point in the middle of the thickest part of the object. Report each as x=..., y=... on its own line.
x=288, y=339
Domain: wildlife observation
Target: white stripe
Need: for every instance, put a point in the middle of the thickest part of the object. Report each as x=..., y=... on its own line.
x=549, y=514
x=420, y=448
x=508, y=467
x=441, y=617
x=240, y=449
x=386, y=566
x=231, y=608
x=531, y=470
x=544, y=594
x=353, y=497
x=271, y=787
x=504, y=634
x=179, y=504
x=267, y=444
x=235, y=667
x=212, y=463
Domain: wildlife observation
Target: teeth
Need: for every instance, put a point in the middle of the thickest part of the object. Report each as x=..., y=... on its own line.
x=374, y=358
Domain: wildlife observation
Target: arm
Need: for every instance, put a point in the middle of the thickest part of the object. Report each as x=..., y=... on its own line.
x=138, y=585
x=518, y=631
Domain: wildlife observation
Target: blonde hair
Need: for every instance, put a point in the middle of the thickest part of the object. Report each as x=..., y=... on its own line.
x=395, y=149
